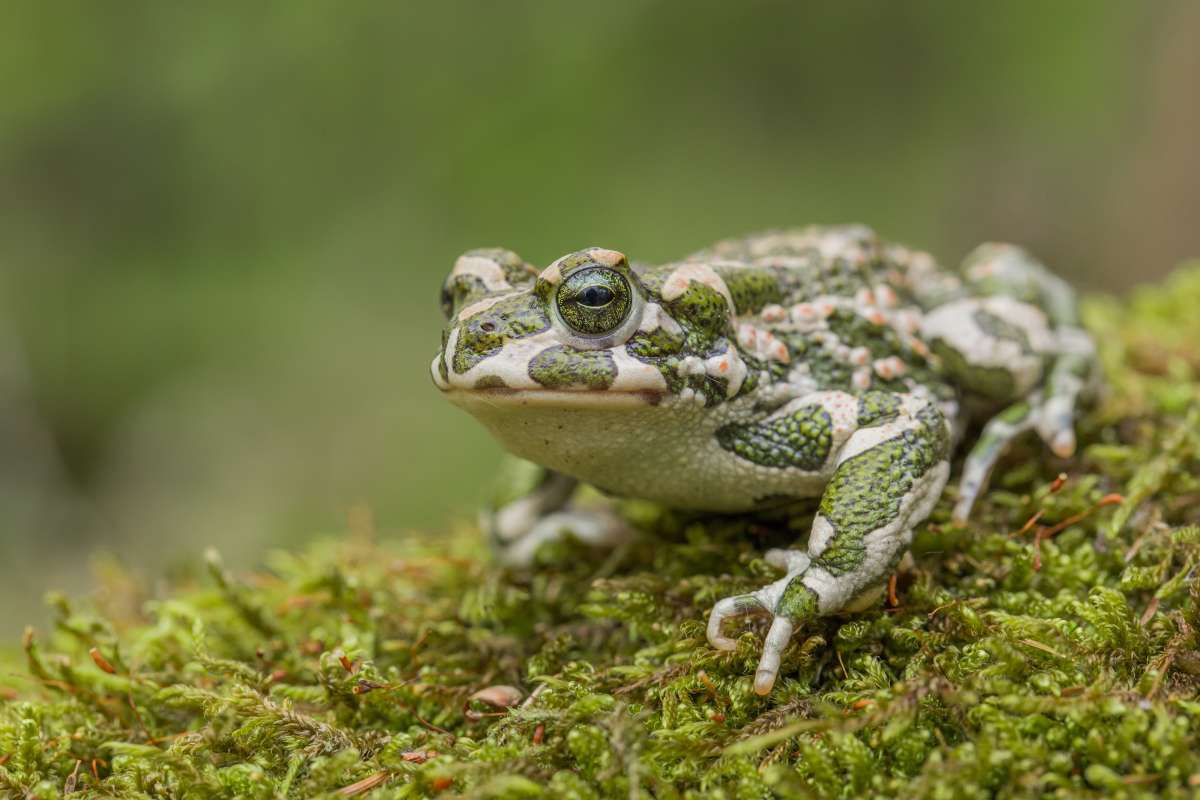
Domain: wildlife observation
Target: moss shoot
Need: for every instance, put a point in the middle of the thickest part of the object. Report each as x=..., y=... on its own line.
x=1049, y=648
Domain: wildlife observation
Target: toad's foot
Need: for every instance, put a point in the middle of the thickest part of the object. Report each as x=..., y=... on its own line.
x=788, y=601
x=599, y=528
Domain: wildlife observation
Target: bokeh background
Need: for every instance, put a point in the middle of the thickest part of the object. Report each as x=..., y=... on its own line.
x=223, y=226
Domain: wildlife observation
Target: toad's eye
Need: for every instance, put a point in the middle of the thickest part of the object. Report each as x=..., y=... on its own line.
x=595, y=302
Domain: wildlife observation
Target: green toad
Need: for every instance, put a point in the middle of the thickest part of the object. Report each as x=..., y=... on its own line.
x=817, y=362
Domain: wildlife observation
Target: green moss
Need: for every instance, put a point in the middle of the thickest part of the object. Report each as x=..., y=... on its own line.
x=1058, y=658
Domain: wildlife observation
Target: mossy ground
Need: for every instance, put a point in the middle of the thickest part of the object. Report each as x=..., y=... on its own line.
x=1050, y=648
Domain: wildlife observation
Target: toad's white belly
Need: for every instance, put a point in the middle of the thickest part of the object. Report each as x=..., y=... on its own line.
x=632, y=446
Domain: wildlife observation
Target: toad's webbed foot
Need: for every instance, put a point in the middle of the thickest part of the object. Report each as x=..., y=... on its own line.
x=786, y=600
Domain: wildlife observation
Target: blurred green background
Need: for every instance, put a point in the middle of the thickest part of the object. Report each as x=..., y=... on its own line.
x=223, y=226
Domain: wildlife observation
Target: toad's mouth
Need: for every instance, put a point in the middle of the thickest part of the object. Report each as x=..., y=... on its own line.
x=553, y=398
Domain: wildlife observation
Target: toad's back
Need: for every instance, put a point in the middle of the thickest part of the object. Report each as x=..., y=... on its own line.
x=835, y=308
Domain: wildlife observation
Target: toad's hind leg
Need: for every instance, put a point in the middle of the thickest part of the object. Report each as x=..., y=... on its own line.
x=888, y=477
x=1013, y=338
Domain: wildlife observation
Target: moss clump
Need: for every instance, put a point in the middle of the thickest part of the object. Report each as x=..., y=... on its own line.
x=1048, y=649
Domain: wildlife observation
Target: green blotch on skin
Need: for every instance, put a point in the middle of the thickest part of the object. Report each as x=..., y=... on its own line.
x=656, y=344
x=798, y=602
x=703, y=313
x=855, y=330
x=562, y=367
x=801, y=439
x=825, y=368
x=994, y=383
x=484, y=334
x=866, y=491
x=876, y=408
x=460, y=291
x=714, y=389
x=752, y=288
x=491, y=382
x=752, y=381
x=544, y=291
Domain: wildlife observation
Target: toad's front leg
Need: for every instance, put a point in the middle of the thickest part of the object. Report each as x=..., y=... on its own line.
x=889, y=475
x=533, y=506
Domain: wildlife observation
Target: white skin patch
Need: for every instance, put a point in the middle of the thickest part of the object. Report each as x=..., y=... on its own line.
x=1032, y=321
x=609, y=258
x=690, y=366
x=774, y=313
x=800, y=382
x=552, y=274
x=866, y=438
x=654, y=317
x=485, y=269
x=634, y=375
x=479, y=306
x=955, y=324
x=890, y=367
x=730, y=366
x=436, y=371
x=510, y=365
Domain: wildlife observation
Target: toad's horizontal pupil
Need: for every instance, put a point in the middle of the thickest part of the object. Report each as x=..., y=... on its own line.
x=596, y=296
